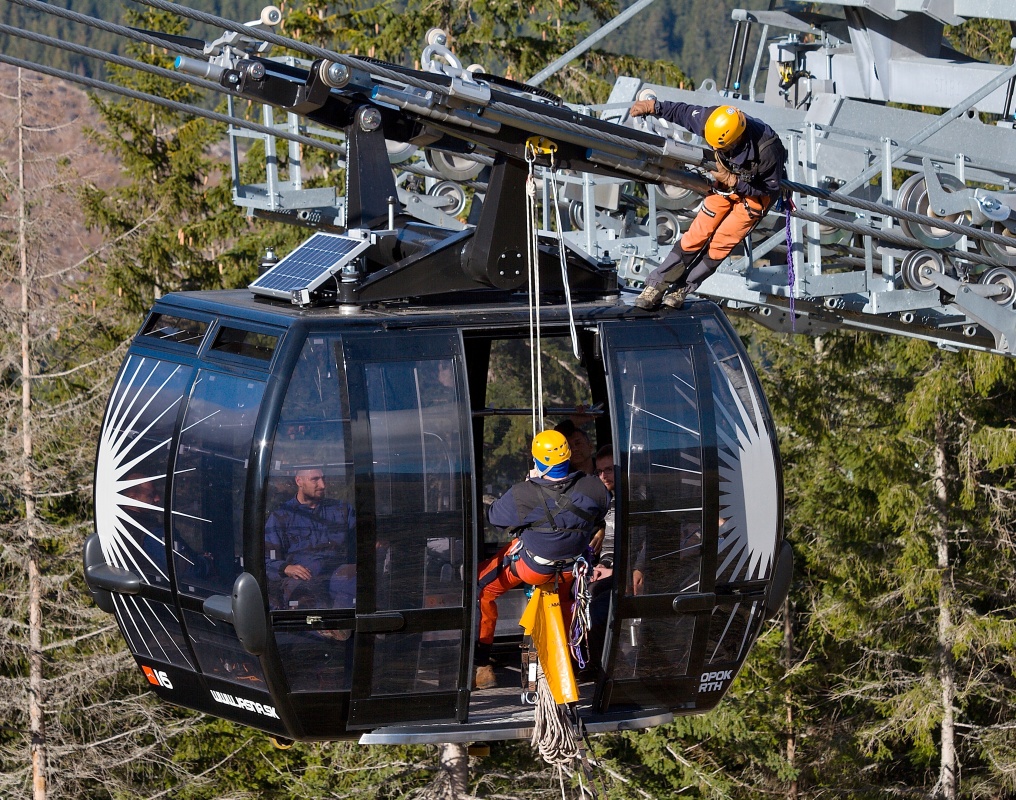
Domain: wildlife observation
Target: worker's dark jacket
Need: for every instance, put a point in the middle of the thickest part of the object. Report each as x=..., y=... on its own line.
x=554, y=519
x=758, y=159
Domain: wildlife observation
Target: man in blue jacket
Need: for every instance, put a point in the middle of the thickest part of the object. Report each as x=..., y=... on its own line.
x=750, y=163
x=310, y=548
x=553, y=515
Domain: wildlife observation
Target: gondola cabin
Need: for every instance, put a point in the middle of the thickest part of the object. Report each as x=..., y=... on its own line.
x=228, y=405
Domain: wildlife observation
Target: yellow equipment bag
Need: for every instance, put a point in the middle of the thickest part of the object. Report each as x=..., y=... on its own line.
x=543, y=621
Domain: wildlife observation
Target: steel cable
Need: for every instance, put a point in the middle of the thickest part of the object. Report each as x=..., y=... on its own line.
x=109, y=27
x=171, y=104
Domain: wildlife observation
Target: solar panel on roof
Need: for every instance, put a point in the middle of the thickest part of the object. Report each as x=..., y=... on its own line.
x=309, y=266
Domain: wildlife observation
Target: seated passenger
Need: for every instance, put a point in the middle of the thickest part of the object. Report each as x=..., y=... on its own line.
x=580, y=445
x=310, y=548
x=553, y=515
x=146, y=514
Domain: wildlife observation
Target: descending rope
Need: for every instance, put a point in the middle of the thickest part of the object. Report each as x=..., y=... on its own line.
x=533, y=267
x=562, y=252
x=788, y=207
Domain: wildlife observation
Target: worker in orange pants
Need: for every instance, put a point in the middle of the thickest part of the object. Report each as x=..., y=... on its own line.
x=553, y=515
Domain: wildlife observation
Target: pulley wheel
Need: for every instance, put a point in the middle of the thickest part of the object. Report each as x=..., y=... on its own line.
x=1004, y=277
x=830, y=234
x=399, y=151
x=452, y=166
x=454, y=195
x=668, y=229
x=576, y=215
x=913, y=196
x=914, y=263
x=1005, y=254
x=674, y=198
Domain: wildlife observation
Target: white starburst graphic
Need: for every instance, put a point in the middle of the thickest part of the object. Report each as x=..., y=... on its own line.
x=128, y=512
x=749, y=494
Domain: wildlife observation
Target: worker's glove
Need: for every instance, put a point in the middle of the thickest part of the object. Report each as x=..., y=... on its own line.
x=723, y=177
x=643, y=108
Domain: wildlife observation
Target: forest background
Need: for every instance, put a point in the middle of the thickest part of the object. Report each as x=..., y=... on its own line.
x=890, y=672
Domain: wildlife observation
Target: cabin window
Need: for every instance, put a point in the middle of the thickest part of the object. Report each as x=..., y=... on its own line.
x=310, y=529
x=311, y=522
x=249, y=344
x=181, y=330
x=210, y=481
x=659, y=427
x=416, y=436
x=416, y=415
x=220, y=653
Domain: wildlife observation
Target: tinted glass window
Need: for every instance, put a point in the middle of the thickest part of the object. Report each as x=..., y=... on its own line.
x=220, y=653
x=132, y=463
x=152, y=630
x=415, y=413
x=310, y=532
x=175, y=329
x=659, y=427
x=210, y=481
x=249, y=344
x=415, y=420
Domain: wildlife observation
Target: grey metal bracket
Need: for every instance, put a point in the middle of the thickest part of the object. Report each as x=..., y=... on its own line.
x=999, y=320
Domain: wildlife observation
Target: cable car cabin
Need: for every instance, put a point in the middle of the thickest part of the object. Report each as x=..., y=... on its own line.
x=357, y=619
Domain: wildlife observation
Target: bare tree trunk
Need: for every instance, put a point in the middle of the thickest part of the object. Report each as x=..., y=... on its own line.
x=37, y=724
x=788, y=663
x=947, y=786
x=455, y=765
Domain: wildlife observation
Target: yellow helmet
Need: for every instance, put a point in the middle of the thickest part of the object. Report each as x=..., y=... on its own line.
x=724, y=127
x=550, y=448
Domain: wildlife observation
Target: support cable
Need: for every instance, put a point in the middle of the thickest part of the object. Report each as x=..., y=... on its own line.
x=183, y=108
x=110, y=27
x=110, y=57
x=892, y=211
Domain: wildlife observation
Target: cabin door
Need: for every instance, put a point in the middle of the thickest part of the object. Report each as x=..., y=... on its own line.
x=411, y=441
x=666, y=516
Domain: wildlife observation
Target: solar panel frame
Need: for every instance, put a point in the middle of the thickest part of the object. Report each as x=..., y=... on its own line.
x=308, y=266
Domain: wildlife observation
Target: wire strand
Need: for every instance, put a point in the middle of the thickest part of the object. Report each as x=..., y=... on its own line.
x=183, y=108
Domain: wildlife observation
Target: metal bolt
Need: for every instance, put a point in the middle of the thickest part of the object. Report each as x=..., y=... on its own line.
x=369, y=119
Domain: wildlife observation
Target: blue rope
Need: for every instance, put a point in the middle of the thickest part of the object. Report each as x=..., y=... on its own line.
x=788, y=208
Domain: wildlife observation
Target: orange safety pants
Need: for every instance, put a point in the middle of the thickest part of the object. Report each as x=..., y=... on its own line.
x=501, y=572
x=723, y=221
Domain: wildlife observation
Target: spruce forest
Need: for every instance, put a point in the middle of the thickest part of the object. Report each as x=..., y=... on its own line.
x=890, y=671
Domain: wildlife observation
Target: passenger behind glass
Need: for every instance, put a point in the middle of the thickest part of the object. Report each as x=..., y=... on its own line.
x=310, y=548
x=146, y=512
x=581, y=446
